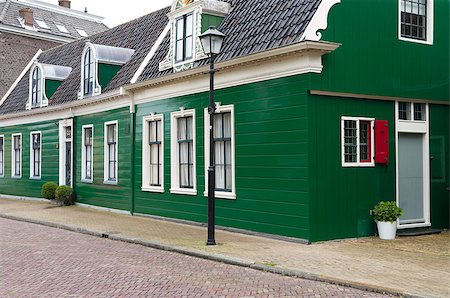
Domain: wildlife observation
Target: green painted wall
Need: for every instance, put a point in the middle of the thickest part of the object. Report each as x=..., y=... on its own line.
x=439, y=152
x=50, y=158
x=210, y=20
x=106, y=72
x=50, y=87
x=99, y=194
x=271, y=159
x=372, y=60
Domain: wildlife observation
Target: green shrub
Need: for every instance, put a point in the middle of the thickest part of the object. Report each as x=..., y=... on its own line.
x=64, y=195
x=387, y=211
x=48, y=190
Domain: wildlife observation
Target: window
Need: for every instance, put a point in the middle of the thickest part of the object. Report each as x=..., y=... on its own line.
x=224, y=151
x=2, y=156
x=111, y=155
x=42, y=24
x=16, y=160
x=153, y=153
x=416, y=20
x=183, y=153
x=411, y=111
x=62, y=28
x=36, y=87
x=87, y=154
x=88, y=72
x=357, y=141
x=35, y=155
x=82, y=32
x=184, y=39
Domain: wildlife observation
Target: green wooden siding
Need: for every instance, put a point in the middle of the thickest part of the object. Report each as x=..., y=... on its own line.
x=341, y=197
x=97, y=193
x=372, y=60
x=210, y=20
x=106, y=72
x=51, y=86
x=50, y=158
x=271, y=159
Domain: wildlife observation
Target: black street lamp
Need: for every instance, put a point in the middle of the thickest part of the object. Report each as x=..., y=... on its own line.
x=212, y=41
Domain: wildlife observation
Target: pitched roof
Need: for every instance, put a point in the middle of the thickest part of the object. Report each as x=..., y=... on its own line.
x=52, y=15
x=252, y=26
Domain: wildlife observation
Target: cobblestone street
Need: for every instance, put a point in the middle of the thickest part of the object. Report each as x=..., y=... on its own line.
x=47, y=262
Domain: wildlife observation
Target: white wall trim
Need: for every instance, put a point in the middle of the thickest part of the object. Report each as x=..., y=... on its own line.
x=22, y=74
x=106, y=179
x=98, y=208
x=430, y=25
x=174, y=153
x=83, y=154
x=221, y=109
x=2, y=167
x=32, y=161
x=13, y=156
x=358, y=163
x=417, y=127
x=319, y=21
x=146, y=154
x=150, y=54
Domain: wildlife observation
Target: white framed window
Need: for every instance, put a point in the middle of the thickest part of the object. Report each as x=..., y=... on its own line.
x=184, y=38
x=62, y=28
x=87, y=153
x=357, y=141
x=183, y=153
x=82, y=32
x=111, y=152
x=42, y=24
x=2, y=156
x=416, y=21
x=153, y=153
x=36, y=87
x=224, y=147
x=35, y=154
x=412, y=111
x=88, y=72
x=16, y=155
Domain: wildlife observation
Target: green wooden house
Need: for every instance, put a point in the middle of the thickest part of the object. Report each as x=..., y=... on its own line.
x=324, y=108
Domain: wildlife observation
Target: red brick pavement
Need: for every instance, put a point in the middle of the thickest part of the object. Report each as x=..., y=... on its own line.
x=38, y=261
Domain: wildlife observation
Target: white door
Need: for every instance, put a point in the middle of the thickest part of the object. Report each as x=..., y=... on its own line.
x=66, y=152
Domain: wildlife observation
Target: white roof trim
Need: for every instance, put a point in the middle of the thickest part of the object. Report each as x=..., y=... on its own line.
x=39, y=35
x=111, y=55
x=24, y=71
x=150, y=54
x=55, y=72
x=319, y=21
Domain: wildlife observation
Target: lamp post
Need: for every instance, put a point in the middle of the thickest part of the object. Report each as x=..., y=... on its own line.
x=212, y=40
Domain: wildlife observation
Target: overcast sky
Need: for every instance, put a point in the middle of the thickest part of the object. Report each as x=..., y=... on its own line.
x=118, y=11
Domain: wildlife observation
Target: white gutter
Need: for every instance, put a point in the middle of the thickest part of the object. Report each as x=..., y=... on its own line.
x=22, y=74
x=39, y=35
x=150, y=54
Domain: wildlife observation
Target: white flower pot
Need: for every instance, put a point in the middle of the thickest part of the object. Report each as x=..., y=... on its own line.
x=387, y=229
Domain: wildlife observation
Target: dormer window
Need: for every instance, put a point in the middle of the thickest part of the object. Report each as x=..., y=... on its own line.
x=184, y=38
x=100, y=64
x=44, y=81
x=36, y=87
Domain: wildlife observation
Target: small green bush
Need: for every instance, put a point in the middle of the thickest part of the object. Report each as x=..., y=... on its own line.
x=387, y=211
x=48, y=190
x=64, y=195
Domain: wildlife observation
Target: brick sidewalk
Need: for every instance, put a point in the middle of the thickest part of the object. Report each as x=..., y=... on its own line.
x=410, y=265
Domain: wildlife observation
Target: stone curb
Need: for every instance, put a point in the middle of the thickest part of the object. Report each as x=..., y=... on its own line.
x=219, y=258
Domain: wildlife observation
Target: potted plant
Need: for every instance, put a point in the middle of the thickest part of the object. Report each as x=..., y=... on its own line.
x=386, y=215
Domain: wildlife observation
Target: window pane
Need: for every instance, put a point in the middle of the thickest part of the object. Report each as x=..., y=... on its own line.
x=180, y=29
x=179, y=50
x=364, y=141
x=419, y=111
x=189, y=25
x=218, y=121
x=404, y=111
x=350, y=141
x=189, y=45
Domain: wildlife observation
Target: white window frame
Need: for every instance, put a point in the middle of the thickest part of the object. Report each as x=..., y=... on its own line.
x=106, y=180
x=32, y=161
x=83, y=154
x=194, y=37
x=13, y=157
x=62, y=28
x=43, y=101
x=96, y=89
x=358, y=163
x=221, y=194
x=429, y=24
x=2, y=167
x=174, y=153
x=146, y=153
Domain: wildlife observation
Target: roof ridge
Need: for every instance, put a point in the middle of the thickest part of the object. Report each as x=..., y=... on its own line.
x=5, y=8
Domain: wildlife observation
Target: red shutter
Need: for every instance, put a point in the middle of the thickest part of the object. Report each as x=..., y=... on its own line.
x=381, y=141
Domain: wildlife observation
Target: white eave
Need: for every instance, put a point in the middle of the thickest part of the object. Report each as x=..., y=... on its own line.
x=35, y=34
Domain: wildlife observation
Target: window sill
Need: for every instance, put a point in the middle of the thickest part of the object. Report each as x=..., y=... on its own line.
x=358, y=165
x=184, y=191
x=109, y=182
x=35, y=178
x=88, y=181
x=16, y=177
x=419, y=41
x=152, y=189
x=222, y=195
